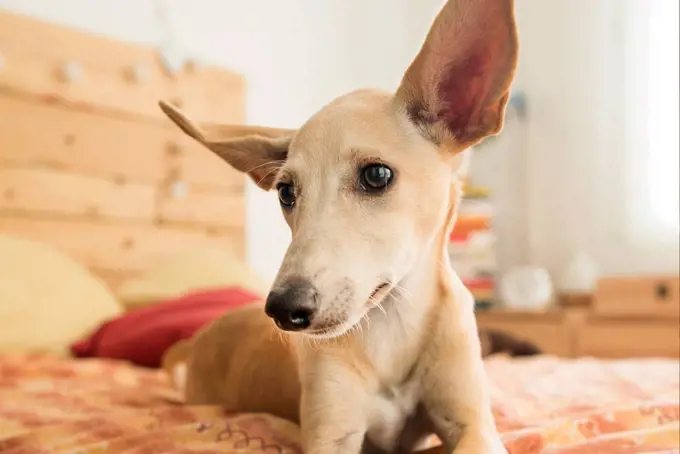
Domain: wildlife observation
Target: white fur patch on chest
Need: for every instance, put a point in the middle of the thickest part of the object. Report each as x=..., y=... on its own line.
x=388, y=413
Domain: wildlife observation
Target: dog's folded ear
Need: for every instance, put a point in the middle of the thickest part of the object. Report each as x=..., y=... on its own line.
x=458, y=85
x=255, y=150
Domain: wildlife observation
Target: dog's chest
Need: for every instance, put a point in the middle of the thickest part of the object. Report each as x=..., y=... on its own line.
x=390, y=410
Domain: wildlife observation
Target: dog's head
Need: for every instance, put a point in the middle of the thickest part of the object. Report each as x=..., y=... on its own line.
x=365, y=184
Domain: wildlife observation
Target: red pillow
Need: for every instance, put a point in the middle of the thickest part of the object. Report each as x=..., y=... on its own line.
x=143, y=335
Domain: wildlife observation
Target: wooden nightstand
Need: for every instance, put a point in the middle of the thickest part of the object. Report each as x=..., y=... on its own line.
x=628, y=317
x=552, y=331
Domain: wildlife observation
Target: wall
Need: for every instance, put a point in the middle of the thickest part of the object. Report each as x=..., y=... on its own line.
x=578, y=158
x=562, y=46
x=297, y=55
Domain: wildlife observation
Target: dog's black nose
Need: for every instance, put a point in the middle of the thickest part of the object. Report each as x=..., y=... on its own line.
x=293, y=305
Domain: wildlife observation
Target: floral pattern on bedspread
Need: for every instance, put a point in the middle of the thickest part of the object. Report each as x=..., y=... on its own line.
x=541, y=404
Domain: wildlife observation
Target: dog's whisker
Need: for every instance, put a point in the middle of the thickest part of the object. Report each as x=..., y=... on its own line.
x=282, y=337
x=275, y=169
x=403, y=290
x=403, y=294
x=278, y=161
x=378, y=304
x=368, y=320
x=311, y=342
x=360, y=328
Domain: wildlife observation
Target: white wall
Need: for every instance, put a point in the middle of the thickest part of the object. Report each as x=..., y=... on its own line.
x=561, y=69
x=296, y=54
x=577, y=161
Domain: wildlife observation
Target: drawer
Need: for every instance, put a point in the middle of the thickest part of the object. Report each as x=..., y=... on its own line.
x=646, y=297
x=550, y=331
x=623, y=339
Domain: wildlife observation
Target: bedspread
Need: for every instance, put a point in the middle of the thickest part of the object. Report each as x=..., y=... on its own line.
x=541, y=404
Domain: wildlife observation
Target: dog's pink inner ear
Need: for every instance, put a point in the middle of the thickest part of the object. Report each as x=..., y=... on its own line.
x=464, y=107
x=457, y=86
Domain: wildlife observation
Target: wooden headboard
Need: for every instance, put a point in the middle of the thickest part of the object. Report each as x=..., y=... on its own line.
x=89, y=163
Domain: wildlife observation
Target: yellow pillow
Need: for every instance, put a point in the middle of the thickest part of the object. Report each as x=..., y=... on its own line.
x=47, y=300
x=194, y=270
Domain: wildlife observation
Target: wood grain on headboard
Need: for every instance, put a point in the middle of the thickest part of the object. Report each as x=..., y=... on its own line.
x=88, y=162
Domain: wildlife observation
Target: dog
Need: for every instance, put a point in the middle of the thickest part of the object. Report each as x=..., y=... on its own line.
x=368, y=337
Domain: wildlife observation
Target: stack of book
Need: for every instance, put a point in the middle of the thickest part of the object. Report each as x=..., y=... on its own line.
x=472, y=246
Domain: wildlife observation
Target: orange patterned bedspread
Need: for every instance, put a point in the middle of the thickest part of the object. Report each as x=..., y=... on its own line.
x=541, y=404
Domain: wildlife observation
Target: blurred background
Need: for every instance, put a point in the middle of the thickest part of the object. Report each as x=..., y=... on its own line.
x=580, y=187
x=590, y=165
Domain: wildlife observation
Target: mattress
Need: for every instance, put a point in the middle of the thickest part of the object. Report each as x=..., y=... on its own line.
x=541, y=404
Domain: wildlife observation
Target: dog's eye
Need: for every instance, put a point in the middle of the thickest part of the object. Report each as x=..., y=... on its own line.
x=286, y=194
x=375, y=177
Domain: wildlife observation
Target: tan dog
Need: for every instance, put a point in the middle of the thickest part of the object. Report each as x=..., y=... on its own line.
x=385, y=349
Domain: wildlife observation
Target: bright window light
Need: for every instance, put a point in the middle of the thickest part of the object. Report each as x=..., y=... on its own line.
x=663, y=114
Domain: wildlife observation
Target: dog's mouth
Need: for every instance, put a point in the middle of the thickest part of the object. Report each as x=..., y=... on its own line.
x=379, y=294
x=338, y=329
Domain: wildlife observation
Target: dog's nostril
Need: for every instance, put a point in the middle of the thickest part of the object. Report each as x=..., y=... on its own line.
x=301, y=318
x=293, y=306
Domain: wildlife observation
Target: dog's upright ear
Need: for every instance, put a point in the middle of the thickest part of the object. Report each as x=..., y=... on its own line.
x=254, y=150
x=458, y=85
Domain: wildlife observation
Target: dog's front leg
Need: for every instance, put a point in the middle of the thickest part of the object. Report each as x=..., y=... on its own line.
x=455, y=392
x=333, y=409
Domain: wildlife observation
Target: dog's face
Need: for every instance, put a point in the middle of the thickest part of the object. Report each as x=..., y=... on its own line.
x=363, y=193
x=365, y=184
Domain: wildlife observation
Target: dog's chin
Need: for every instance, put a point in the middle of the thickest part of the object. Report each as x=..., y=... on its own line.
x=329, y=333
x=342, y=328
x=335, y=330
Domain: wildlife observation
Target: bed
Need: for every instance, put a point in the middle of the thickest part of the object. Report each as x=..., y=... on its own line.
x=542, y=404
x=110, y=185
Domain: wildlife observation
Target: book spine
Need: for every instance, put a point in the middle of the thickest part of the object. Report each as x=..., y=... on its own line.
x=472, y=248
